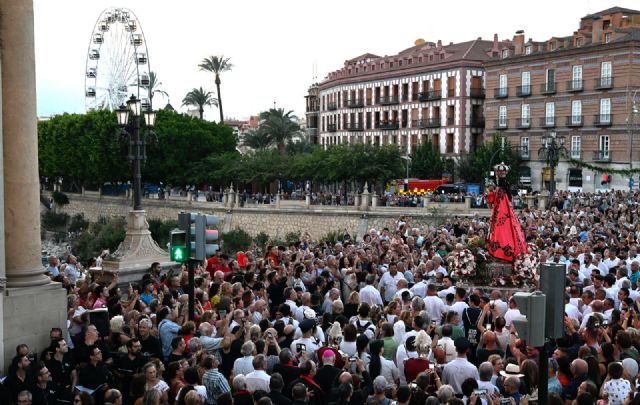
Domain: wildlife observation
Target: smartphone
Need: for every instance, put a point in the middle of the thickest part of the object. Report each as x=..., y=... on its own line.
x=432, y=366
x=480, y=392
x=301, y=347
x=269, y=335
x=505, y=401
x=222, y=313
x=352, y=359
x=413, y=386
x=488, y=326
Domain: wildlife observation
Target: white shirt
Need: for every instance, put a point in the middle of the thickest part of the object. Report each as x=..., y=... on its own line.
x=243, y=365
x=349, y=348
x=448, y=345
x=389, y=283
x=258, y=380
x=371, y=296
x=434, y=307
x=502, y=306
x=419, y=289
x=443, y=294
x=310, y=345
x=611, y=263
x=510, y=315
x=572, y=311
x=399, y=293
x=455, y=372
x=401, y=356
x=293, y=306
x=389, y=370
x=459, y=307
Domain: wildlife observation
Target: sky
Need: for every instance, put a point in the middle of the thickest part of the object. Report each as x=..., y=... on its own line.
x=274, y=45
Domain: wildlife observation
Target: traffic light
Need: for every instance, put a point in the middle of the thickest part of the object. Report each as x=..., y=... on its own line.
x=200, y=247
x=178, y=246
x=185, y=220
x=530, y=325
x=552, y=282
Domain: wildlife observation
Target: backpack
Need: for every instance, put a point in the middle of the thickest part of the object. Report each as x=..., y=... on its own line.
x=362, y=328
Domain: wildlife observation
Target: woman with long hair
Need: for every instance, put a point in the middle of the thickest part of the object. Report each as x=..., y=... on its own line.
x=378, y=365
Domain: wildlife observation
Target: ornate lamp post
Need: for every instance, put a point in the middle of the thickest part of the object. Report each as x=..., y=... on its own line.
x=551, y=151
x=137, y=144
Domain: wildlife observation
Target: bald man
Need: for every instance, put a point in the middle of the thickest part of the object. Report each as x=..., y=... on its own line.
x=579, y=369
x=488, y=346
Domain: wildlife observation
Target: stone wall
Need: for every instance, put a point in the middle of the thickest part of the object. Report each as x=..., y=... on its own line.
x=276, y=222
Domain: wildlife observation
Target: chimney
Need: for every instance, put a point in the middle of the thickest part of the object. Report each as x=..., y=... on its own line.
x=596, y=31
x=439, y=46
x=495, y=50
x=518, y=43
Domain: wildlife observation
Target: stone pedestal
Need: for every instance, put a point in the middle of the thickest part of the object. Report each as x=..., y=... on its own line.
x=136, y=253
x=238, y=199
x=374, y=200
x=278, y=198
x=356, y=200
x=467, y=202
x=530, y=201
x=542, y=200
x=366, y=197
x=307, y=199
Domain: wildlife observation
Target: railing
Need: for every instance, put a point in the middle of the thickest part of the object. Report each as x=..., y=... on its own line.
x=575, y=154
x=523, y=91
x=355, y=126
x=603, y=83
x=450, y=121
x=575, y=85
x=523, y=123
x=331, y=128
x=387, y=125
x=426, y=123
x=477, y=92
x=602, y=155
x=332, y=106
x=574, y=121
x=387, y=100
x=501, y=92
x=429, y=95
x=548, y=88
x=355, y=103
x=501, y=124
x=602, y=120
x=548, y=122
x=524, y=153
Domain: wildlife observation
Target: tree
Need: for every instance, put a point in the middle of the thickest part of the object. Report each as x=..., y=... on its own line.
x=279, y=126
x=200, y=98
x=426, y=162
x=217, y=65
x=154, y=87
x=475, y=167
x=256, y=139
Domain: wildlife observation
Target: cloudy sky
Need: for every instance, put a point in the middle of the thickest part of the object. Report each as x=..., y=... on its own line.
x=275, y=44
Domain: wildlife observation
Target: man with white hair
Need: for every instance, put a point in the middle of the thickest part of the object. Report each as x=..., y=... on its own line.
x=401, y=286
x=306, y=304
x=331, y=296
x=258, y=379
x=244, y=365
x=209, y=343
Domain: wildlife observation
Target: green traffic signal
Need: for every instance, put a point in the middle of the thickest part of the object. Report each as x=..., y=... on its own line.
x=177, y=253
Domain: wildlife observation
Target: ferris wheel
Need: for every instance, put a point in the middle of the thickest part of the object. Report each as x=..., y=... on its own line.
x=117, y=61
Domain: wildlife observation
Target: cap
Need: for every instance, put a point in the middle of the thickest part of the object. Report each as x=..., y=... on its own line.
x=462, y=343
x=307, y=325
x=328, y=353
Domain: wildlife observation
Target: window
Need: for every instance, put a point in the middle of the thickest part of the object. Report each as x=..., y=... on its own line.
x=552, y=46
x=607, y=37
x=603, y=147
x=525, y=114
x=505, y=53
x=575, y=147
x=578, y=42
x=502, y=116
x=605, y=110
x=528, y=49
x=549, y=113
x=526, y=79
x=503, y=85
x=576, y=112
x=605, y=74
x=577, y=76
x=524, y=146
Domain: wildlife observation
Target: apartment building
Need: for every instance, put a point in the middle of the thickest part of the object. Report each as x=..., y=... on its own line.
x=312, y=113
x=430, y=91
x=580, y=88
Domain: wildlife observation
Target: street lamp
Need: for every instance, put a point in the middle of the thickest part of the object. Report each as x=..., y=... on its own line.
x=407, y=158
x=551, y=151
x=137, y=144
x=630, y=124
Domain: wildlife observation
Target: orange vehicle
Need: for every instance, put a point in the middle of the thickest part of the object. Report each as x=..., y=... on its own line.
x=416, y=186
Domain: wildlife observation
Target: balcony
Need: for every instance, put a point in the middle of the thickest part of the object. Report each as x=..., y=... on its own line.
x=524, y=152
x=574, y=121
x=523, y=91
x=386, y=126
x=414, y=96
x=451, y=93
x=575, y=85
x=575, y=154
x=523, y=123
x=603, y=83
x=501, y=92
x=548, y=88
x=501, y=124
x=355, y=103
x=450, y=121
x=602, y=155
x=602, y=120
x=548, y=122
x=331, y=128
x=387, y=100
x=332, y=106
x=421, y=124
x=477, y=92
x=429, y=95
x=355, y=126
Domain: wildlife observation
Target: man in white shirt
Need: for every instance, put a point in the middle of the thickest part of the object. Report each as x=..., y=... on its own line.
x=512, y=313
x=401, y=287
x=498, y=303
x=612, y=261
x=405, y=352
x=433, y=304
x=258, y=379
x=389, y=281
x=369, y=293
x=291, y=296
x=570, y=309
x=306, y=343
x=459, y=305
x=587, y=266
x=449, y=288
x=455, y=372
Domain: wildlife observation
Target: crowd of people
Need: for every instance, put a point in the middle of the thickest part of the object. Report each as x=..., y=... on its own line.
x=380, y=320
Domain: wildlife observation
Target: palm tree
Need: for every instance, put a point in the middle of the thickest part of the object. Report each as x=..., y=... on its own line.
x=153, y=88
x=280, y=126
x=256, y=139
x=200, y=98
x=217, y=65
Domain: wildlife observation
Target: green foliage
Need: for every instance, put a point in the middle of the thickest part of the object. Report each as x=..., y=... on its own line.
x=104, y=234
x=54, y=221
x=474, y=167
x=160, y=230
x=261, y=239
x=292, y=237
x=59, y=198
x=426, y=162
x=78, y=223
x=235, y=241
x=332, y=237
x=279, y=127
x=200, y=98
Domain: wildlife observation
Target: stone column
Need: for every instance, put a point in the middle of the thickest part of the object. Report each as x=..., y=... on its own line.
x=238, y=199
x=20, y=146
x=231, y=197
x=374, y=200
x=278, y=196
x=530, y=201
x=365, y=197
x=356, y=200
x=307, y=199
x=467, y=203
x=542, y=200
